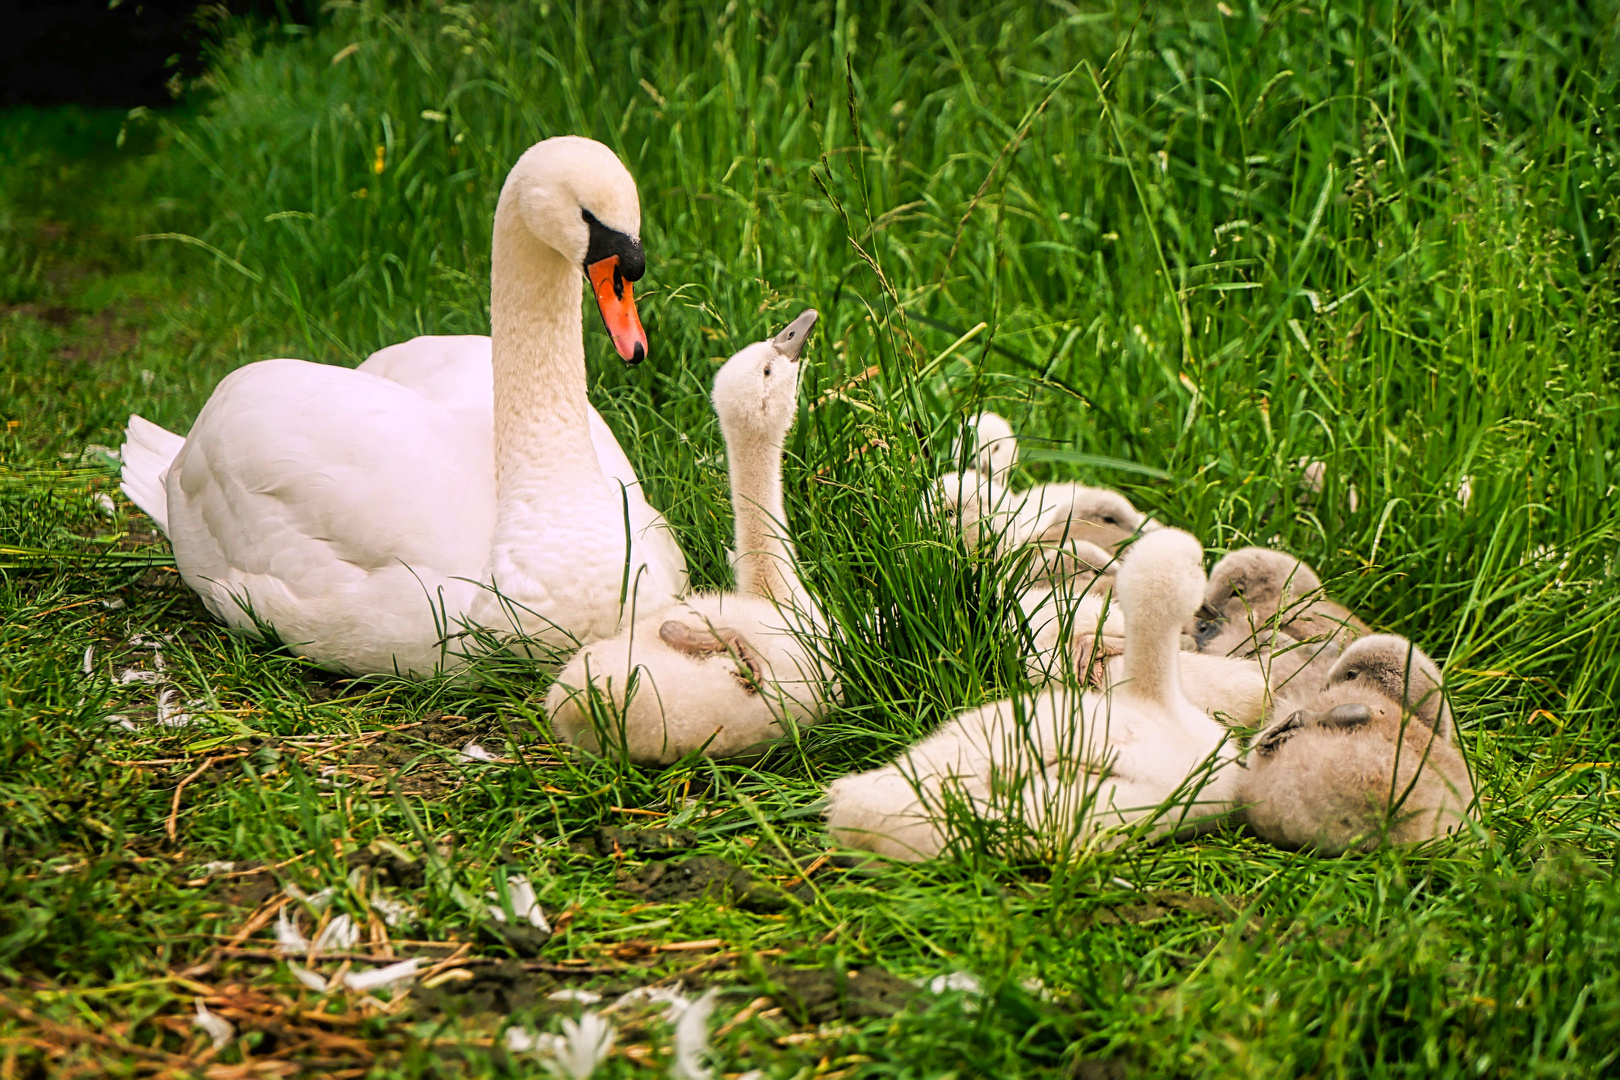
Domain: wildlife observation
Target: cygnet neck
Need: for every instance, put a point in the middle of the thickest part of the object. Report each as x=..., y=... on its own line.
x=763, y=558
x=542, y=431
x=1152, y=651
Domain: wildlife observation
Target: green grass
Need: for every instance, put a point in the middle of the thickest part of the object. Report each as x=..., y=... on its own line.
x=1204, y=246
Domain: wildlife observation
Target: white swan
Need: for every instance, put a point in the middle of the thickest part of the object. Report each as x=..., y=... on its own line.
x=1067, y=765
x=720, y=673
x=364, y=513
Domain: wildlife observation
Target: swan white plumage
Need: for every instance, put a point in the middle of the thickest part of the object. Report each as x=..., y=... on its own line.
x=720, y=673
x=365, y=513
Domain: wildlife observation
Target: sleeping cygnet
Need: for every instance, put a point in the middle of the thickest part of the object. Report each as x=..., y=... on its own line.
x=1073, y=767
x=1271, y=604
x=724, y=673
x=1369, y=762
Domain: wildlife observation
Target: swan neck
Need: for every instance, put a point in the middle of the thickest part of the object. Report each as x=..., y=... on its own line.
x=542, y=430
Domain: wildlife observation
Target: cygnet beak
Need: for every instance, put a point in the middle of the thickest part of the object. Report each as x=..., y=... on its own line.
x=790, y=342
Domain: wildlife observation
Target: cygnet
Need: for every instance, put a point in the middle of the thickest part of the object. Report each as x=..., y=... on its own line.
x=720, y=673
x=1370, y=761
x=1271, y=605
x=1077, y=631
x=1050, y=516
x=1067, y=765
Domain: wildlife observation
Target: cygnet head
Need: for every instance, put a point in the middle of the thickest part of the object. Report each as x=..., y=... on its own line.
x=756, y=391
x=1250, y=586
x=1261, y=576
x=1093, y=515
x=1398, y=672
x=992, y=444
x=1162, y=577
x=577, y=198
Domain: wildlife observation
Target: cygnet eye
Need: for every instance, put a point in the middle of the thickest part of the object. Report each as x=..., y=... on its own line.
x=1110, y=519
x=1352, y=673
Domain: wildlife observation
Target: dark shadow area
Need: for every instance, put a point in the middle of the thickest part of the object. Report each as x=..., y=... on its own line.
x=123, y=53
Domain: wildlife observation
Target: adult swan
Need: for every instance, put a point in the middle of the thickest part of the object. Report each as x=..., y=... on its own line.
x=367, y=514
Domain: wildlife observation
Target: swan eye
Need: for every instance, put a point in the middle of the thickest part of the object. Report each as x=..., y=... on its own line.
x=1110, y=519
x=1351, y=674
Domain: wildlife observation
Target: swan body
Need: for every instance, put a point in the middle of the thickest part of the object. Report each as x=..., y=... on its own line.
x=1070, y=766
x=1369, y=761
x=722, y=674
x=367, y=515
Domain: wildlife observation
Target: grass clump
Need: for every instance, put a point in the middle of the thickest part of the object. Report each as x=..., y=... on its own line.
x=1203, y=243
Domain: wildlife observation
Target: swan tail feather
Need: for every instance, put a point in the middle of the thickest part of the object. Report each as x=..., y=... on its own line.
x=148, y=452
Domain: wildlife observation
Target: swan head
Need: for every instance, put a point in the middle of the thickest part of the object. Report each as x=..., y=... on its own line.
x=990, y=440
x=576, y=197
x=756, y=391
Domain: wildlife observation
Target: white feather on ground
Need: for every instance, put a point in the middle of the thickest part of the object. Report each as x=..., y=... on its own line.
x=338, y=935
x=218, y=1028
x=377, y=978
x=289, y=939
x=525, y=905
x=692, y=1039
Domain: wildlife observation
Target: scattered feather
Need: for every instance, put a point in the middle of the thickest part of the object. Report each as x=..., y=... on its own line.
x=168, y=715
x=959, y=981
x=1465, y=491
x=384, y=976
x=120, y=720
x=316, y=902
x=88, y=664
x=1036, y=987
x=521, y=1040
x=692, y=1039
x=104, y=503
x=394, y=912
x=134, y=675
x=112, y=603
x=752, y=1074
x=339, y=935
x=218, y=1028
x=524, y=903
x=1313, y=475
x=584, y=1045
x=289, y=939
x=308, y=978
x=218, y=866
x=579, y=997
x=473, y=752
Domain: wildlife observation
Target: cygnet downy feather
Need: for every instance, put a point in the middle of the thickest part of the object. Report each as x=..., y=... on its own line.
x=1369, y=761
x=1067, y=765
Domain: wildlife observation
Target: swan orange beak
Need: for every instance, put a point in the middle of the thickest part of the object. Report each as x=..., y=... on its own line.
x=616, y=302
